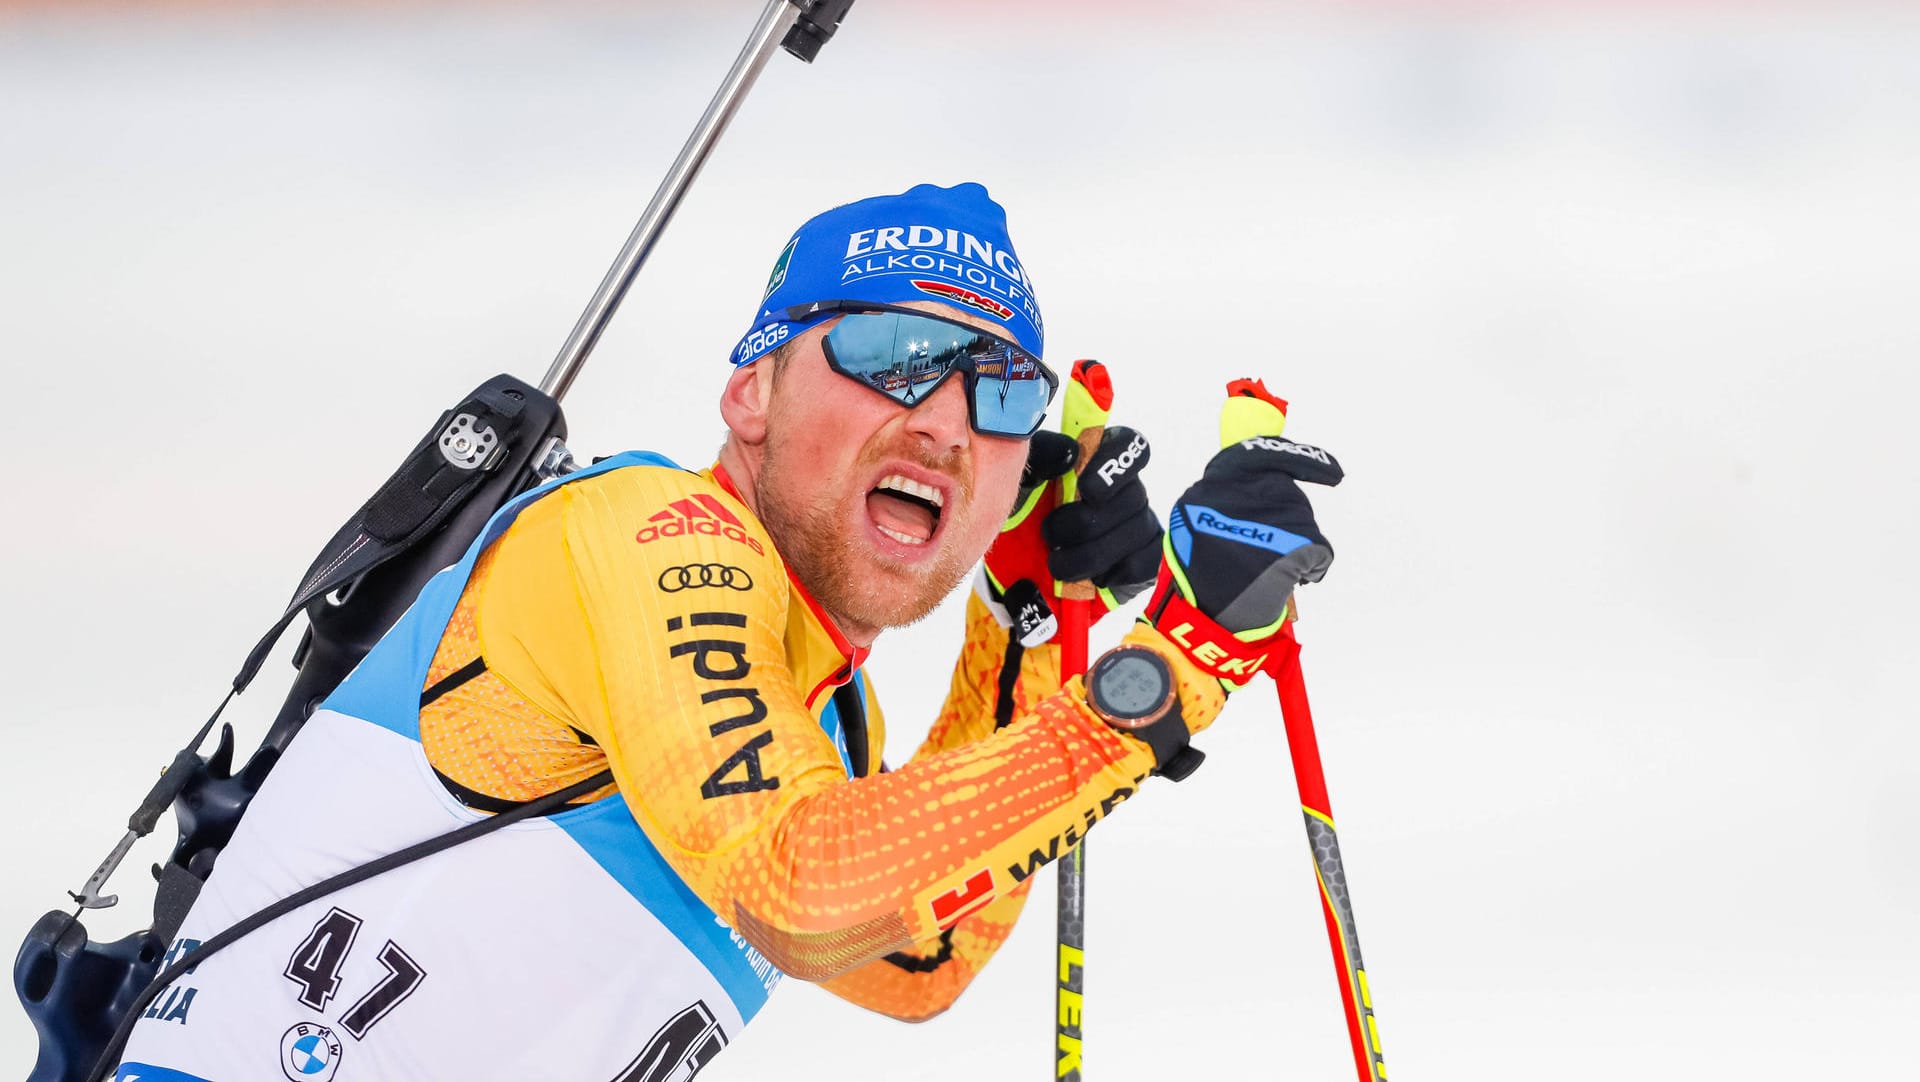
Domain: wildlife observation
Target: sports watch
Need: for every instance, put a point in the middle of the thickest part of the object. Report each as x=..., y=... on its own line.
x=1132, y=689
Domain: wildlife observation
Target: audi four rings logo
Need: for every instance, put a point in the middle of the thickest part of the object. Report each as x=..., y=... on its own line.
x=694, y=576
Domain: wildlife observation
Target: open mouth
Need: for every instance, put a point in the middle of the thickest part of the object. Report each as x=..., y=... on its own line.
x=905, y=510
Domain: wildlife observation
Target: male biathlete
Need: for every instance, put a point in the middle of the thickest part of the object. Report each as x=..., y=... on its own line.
x=701, y=634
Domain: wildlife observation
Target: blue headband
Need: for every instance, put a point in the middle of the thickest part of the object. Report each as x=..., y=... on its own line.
x=940, y=244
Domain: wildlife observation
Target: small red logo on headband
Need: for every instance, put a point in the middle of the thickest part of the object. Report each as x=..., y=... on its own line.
x=965, y=296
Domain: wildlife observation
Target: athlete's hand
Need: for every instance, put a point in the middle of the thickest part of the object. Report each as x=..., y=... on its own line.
x=1109, y=536
x=1240, y=539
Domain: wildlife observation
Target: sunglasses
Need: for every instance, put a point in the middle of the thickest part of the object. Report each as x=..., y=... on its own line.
x=907, y=354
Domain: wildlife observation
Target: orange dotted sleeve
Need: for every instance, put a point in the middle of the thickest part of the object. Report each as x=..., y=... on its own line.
x=925, y=979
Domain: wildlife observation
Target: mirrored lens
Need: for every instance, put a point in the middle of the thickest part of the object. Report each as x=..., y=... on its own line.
x=902, y=356
x=905, y=357
x=1010, y=392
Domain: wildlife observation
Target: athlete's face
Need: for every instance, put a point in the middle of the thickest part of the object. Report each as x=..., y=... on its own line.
x=879, y=510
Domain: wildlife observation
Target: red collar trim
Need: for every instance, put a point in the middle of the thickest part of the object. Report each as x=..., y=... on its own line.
x=855, y=656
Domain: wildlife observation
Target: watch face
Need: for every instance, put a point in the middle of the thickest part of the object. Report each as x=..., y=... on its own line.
x=1131, y=685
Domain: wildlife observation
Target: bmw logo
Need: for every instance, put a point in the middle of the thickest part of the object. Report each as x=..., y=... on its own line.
x=309, y=1052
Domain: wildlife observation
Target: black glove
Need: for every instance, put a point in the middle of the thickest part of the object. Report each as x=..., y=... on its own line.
x=1109, y=536
x=1243, y=536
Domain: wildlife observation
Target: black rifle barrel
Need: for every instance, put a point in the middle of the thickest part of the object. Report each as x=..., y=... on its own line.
x=803, y=27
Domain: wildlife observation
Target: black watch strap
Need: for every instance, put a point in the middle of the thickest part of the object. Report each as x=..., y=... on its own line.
x=1131, y=684
x=1173, y=756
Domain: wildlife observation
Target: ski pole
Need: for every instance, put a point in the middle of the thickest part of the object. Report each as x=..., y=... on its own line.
x=802, y=27
x=1335, y=902
x=1084, y=417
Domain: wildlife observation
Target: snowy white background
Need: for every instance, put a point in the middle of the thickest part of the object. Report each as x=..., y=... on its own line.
x=1610, y=314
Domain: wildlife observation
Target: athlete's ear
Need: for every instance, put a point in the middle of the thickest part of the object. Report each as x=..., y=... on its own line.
x=747, y=399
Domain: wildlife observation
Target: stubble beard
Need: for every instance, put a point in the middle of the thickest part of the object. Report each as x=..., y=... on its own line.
x=860, y=588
